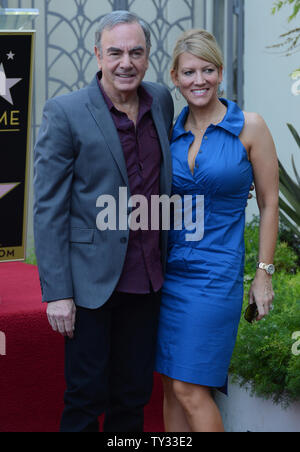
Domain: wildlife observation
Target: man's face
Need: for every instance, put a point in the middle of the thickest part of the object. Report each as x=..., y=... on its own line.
x=123, y=60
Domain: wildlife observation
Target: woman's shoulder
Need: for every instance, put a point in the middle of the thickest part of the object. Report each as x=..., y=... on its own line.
x=256, y=131
x=255, y=125
x=254, y=119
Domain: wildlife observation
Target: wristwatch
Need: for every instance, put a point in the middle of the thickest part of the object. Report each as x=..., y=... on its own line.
x=269, y=268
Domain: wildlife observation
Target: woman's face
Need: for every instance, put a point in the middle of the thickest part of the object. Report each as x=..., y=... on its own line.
x=197, y=79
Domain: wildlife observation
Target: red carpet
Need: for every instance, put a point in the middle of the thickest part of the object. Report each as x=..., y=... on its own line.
x=31, y=372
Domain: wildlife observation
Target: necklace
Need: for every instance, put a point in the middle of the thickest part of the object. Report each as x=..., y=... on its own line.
x=202, y=130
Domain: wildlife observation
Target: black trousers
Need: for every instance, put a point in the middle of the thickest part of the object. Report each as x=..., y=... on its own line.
x=109, y=364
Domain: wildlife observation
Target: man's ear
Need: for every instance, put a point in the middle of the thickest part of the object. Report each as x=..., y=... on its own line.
x=98, y=56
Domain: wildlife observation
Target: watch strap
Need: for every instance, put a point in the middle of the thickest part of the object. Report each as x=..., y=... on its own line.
x=269, y=268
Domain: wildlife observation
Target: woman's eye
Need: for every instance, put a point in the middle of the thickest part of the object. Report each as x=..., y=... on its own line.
x=188, y=72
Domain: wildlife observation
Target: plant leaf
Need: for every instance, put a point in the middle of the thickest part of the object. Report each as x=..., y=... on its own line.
x=294, y=133
x=288, y=184
x=289, y=224
x=290, y=198
x=295, y=171
x=295, y=216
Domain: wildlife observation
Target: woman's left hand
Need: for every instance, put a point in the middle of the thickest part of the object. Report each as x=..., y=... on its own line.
x=261, y=293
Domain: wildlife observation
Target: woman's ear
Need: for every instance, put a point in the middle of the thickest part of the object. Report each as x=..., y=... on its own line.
x=221, y=72
x=174, y=77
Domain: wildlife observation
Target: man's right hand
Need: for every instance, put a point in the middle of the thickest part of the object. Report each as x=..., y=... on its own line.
x=61, y=316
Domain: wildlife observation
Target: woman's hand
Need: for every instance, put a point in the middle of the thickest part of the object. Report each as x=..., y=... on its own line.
x=261, y=293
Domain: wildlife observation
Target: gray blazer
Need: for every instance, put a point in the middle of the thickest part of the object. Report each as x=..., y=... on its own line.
x=78, y=157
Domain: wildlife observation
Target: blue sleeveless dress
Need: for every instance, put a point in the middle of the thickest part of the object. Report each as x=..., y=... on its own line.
x=203, y=291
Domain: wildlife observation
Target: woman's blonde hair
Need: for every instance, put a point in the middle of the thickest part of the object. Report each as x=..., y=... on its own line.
x=201, y=44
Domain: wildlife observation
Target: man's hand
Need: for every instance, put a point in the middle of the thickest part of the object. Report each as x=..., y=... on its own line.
x=61, y=316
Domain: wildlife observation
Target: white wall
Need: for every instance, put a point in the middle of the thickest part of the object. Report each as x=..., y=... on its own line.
x=267, y=81
x=64, y=38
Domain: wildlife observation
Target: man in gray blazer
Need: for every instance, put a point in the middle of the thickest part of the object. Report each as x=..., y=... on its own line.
x=103, y=286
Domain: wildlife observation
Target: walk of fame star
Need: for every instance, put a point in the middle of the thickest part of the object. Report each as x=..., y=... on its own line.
x=6, y=84
x=6, y=188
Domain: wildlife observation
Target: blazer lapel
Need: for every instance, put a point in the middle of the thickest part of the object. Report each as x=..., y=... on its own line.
x=166, y=168
x=99, y=111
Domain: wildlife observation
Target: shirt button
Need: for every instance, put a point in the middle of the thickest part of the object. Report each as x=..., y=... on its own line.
x=206, y=137
x=123, y=240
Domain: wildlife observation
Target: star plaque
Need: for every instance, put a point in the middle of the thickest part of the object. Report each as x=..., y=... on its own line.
x=16, y=67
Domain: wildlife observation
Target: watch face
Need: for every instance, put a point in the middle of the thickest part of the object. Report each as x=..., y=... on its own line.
x=271, y=269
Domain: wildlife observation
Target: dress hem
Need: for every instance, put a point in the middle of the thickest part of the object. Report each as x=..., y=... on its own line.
x=185, y=375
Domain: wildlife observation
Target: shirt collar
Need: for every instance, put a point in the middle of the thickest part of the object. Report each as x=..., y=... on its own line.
x=146, y=99
x=233, y=121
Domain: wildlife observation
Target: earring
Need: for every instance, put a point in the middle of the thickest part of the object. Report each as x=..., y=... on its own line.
x=177, y=93
x=221, y=90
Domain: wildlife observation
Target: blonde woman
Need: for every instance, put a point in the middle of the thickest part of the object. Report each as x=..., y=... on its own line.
x=217, y=152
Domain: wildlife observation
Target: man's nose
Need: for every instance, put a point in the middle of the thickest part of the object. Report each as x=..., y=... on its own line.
x=126, y=61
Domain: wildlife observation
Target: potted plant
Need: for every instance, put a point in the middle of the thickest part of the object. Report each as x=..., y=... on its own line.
x=264, y=390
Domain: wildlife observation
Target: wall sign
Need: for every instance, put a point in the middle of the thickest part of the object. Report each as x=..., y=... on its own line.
x=16, y=73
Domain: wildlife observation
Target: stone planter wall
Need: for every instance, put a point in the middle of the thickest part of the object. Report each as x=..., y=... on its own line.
x=243, y=413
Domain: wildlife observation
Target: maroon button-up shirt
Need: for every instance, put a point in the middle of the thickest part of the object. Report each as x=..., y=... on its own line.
x=142, y=268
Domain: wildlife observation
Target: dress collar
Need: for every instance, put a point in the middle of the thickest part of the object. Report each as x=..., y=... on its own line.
x=233, y=121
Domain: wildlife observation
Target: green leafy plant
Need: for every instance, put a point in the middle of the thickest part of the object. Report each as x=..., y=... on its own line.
x=279, y=4
x=263, y=357
x=295, y=74
x=31, y=257
x=286, y=258
x=290, y=189
x=287, y=236
x=291, y=39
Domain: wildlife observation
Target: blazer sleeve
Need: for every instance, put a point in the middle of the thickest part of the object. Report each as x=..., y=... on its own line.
x=53, y=174
x=167, y=108
x=162, y=95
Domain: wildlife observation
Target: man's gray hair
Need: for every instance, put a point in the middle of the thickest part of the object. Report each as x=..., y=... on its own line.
x=110, y=20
